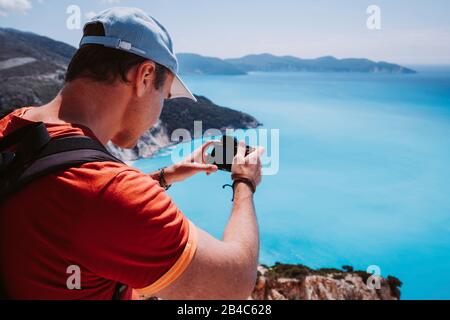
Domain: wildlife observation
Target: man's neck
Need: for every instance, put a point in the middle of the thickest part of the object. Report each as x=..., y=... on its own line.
x=96, y=106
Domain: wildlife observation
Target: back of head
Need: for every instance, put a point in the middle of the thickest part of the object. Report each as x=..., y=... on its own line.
x=104, y=64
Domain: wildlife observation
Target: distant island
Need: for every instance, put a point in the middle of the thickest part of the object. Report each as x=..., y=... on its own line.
x=191, y=63
x=196, y=64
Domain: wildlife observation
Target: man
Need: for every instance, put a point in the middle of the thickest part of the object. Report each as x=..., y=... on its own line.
x=112, y=222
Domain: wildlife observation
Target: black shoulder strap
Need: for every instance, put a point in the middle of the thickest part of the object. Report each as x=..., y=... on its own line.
x=65, y=153
x=39, y=155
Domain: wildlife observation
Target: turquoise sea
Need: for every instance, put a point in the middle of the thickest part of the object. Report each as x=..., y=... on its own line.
x=364, y=176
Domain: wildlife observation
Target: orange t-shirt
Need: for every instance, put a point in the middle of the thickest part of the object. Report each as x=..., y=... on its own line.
x=113, y=222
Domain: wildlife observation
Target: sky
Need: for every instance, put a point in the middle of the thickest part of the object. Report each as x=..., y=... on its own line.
x=411, y=32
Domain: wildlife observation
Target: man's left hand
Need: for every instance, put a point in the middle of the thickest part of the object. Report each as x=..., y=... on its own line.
x=191, y=165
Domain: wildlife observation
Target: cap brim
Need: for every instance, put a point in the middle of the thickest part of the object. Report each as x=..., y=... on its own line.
x=180, y=90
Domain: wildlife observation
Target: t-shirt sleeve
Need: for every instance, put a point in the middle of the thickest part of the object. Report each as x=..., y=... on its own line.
x=135, y=234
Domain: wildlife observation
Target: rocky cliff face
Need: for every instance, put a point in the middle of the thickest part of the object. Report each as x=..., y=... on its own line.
x=290, y=282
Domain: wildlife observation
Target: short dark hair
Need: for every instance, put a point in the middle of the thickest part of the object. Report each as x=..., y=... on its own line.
x=105, y=64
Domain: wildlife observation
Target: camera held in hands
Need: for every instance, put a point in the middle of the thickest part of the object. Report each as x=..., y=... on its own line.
x=224, y=152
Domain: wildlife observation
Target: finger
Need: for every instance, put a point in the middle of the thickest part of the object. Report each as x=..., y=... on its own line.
x=260, y=151
x=254, y=157
x=240, y=155
x=203, y=167
x=198, y=154
x=214, y=169
x=205, y=146
x=208, y=143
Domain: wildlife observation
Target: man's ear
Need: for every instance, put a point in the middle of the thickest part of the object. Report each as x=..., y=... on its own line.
x=144, y=76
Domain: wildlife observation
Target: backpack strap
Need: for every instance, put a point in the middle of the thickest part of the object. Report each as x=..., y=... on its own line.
x=62, y=154
x=38, y=155
x=30, y=139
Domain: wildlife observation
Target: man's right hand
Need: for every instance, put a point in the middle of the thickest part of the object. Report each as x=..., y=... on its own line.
x=227, y=268
x=247, y=167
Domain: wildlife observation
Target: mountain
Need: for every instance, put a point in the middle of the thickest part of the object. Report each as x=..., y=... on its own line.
x=17, y=43
x=197, y=64
x=191, y=63
x=270, y=63
x=32, y=69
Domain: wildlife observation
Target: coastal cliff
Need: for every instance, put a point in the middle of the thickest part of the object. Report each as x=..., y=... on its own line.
x=298, y=282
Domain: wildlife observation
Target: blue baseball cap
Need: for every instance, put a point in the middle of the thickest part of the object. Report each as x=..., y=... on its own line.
x=134, y=31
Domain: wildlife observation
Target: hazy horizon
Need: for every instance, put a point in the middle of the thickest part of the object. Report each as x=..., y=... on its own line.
x=261, y=53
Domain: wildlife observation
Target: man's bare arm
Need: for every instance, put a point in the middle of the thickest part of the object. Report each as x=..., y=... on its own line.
x=225, y=269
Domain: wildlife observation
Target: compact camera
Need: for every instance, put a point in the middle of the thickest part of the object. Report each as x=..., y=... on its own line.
x=224, y=152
